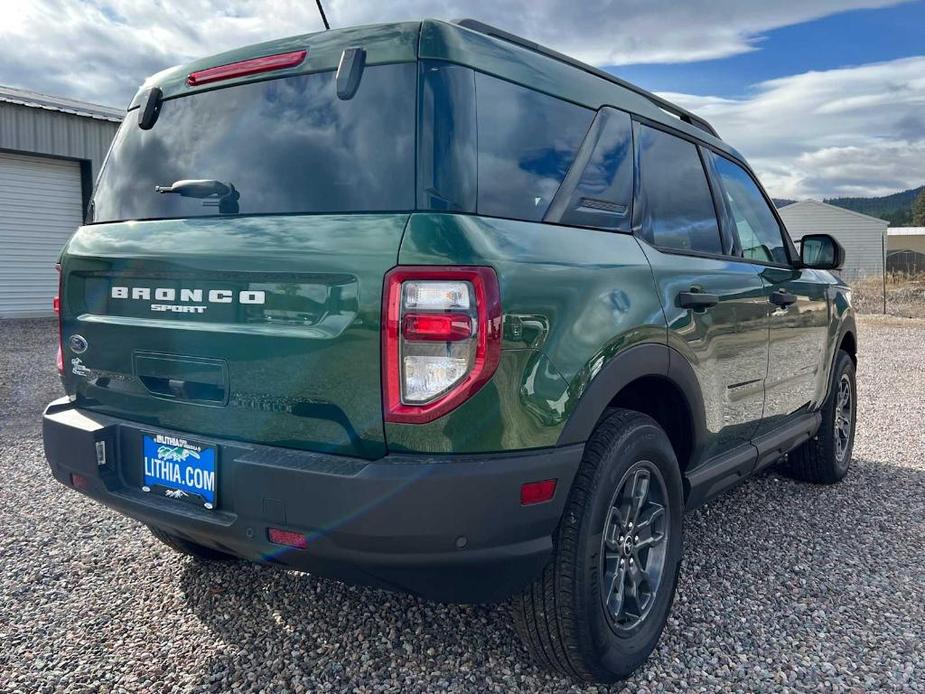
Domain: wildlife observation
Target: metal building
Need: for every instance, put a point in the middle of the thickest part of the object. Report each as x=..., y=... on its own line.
x=905, y=250
x=50, y=152
x=863, y=237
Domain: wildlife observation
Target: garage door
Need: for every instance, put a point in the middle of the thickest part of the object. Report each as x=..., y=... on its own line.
x=40, y=207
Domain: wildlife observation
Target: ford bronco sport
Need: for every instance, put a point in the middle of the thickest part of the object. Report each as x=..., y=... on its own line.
x=429, y=307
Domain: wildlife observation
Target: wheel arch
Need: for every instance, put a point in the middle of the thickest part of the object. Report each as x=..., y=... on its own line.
x=846, y=340
x=653, y=379
x=849, y=344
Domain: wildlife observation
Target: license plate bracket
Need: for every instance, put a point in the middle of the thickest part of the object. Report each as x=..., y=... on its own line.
x=180, y=469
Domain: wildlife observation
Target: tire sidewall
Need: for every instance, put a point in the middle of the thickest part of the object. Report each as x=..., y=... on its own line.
x=622, y=653
x=843, y=366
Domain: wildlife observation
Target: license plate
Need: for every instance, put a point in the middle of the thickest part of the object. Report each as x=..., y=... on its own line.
x=180, y=469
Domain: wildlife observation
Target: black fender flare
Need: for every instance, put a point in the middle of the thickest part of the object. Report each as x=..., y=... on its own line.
x=847, y=326
x=646, y=359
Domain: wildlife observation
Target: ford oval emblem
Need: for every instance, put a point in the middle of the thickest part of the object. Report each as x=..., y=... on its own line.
x=78, y=344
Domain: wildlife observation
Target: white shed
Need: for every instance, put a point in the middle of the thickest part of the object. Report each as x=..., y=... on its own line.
x=50, y=152
x=905, y=250
x=863, y=237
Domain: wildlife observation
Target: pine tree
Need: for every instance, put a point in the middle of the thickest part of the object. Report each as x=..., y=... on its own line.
x=918, y=210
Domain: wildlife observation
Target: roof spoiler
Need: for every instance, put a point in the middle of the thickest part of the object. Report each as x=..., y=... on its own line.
x=675, y=110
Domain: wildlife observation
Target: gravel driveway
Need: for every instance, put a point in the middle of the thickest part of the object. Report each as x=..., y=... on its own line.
x=784, y=585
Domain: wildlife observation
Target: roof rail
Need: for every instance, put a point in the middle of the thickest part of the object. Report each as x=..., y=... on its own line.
x=675, y=110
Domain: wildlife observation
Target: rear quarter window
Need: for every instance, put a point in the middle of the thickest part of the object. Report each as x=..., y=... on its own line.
x=526, y=143
x=601, y=195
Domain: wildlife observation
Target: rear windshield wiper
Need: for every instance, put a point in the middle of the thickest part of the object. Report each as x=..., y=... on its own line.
x=225, y=195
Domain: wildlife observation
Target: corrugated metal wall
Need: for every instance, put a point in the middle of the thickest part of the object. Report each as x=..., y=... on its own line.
x=40, y=131
x=42, y=198
x=860, y=235
x=40, y=206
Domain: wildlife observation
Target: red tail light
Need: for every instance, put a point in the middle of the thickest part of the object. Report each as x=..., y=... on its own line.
x=447, y=327
x=253, y=66
x=441, y=339
x=56, y=305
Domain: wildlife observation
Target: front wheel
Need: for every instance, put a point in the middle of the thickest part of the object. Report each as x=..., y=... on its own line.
x=599, y=608
x=825, y=458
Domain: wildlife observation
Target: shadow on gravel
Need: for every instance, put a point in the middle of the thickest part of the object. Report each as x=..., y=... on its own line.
x=345, y=635
x=774, y=561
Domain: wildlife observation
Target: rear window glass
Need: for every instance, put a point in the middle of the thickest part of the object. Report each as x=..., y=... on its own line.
x=285, y=146
x=678, y=211
x=526, y=143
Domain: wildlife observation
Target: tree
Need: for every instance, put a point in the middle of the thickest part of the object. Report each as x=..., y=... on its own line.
x=918, y=210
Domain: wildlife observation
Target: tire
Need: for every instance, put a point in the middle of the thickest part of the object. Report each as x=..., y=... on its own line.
x=191, y=549
x=562, y=618
x=825, y=458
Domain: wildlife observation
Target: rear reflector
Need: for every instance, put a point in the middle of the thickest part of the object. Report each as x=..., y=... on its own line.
x=79, y=482
x=243, y=68
x=288, y=538
x=537, y=492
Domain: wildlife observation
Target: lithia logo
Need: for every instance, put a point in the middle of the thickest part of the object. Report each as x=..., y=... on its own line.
x=167, y=299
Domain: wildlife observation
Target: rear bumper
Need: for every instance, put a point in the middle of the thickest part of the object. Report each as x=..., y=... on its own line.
x=445, y=528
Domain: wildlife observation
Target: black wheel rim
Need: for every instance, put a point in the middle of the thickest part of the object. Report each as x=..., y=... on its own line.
x=633, y=547
x=844, y=411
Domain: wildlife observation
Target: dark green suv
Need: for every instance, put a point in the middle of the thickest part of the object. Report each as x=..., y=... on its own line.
x=429, y=307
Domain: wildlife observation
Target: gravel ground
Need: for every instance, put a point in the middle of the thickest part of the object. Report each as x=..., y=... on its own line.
x=784, y=585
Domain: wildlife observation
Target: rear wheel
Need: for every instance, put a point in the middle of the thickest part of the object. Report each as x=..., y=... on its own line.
x=600, y=605
x=178, y=544
x=825, y=458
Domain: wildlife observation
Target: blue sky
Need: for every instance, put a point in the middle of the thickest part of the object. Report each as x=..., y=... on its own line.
x=824, y=97
x=848, y=38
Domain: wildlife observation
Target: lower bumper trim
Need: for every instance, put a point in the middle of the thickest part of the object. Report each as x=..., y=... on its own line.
x=448, y=528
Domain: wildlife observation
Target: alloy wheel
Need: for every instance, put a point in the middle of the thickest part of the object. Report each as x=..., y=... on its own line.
x=843, y=419
x=633, y=547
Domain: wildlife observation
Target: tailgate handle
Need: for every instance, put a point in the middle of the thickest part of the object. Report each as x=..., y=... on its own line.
x=193, y=379
x=184, y=390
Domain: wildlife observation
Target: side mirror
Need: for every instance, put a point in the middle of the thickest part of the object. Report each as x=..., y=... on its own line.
x=821, y=252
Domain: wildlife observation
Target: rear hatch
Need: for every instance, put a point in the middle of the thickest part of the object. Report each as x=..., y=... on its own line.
x=247, y=304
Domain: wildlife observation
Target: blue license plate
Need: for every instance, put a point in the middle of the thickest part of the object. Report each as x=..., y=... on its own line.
x=180, y=469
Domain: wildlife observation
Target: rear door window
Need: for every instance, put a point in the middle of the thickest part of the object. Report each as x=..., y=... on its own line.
x=286, y=145
x=676, y=202
x=526, y=143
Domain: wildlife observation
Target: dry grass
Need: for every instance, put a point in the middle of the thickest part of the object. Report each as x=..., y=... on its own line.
x=905, y=295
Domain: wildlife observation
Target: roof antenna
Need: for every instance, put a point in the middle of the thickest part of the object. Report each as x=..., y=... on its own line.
x=324, y=20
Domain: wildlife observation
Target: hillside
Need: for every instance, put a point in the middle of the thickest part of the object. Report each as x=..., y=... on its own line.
x=896, y=208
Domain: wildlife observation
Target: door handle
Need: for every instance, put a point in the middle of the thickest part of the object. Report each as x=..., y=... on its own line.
x=697, y=300
x=783, y=298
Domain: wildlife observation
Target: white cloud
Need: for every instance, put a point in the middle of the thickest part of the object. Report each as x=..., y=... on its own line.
x=841, y=131
x=101, y=49
x=851, y=131
x=610, y=32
